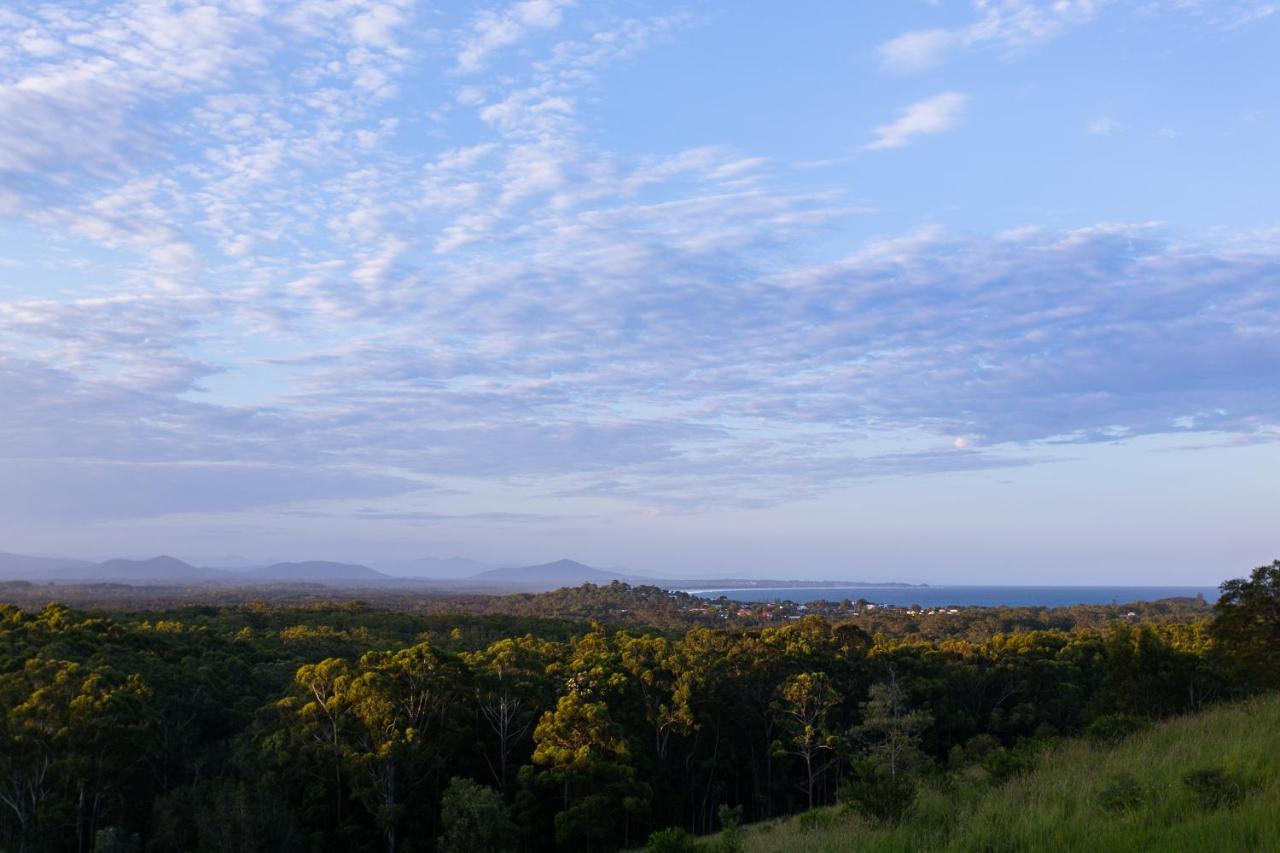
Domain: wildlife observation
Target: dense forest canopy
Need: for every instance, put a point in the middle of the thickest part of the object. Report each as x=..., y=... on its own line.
x=584, y=719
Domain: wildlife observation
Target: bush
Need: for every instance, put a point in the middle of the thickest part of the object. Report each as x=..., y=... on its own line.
x=1005, y=763
x=1114, y=727
x=871, y=790
x=730, y=840
x=113, y=839
x=815, y=819
x=673, y=839
x=1216, y=787
x=475, y=819
x=1123, y=794
x=973, y=751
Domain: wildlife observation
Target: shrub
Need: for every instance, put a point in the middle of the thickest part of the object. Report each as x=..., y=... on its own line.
x=730, y=840
x=1114, y=727
x=673, y=839
x=871, y=790
x=1004, y=763
x=1216, y=787
x=113, y=839
x=1124, y=793
x=973, y=751
x=475, y=819
x=815, y=819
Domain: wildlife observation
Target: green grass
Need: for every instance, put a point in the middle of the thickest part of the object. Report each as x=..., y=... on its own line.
x=1057, y=807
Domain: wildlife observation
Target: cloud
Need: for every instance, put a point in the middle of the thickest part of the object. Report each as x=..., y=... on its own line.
x=1015, y=25
x=1011, y=24
x=916, y=50
x=932, y=115
x=1102, y=126
x=87, y=490
x=295, y=284
x=492, y=31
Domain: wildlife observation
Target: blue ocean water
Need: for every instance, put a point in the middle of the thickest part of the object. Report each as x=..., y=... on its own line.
x=968, y=596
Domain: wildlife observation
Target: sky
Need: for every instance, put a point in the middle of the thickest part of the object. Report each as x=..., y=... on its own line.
x=952, y=291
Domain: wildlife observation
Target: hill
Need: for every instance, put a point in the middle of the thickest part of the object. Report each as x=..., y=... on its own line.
x=21, y=566
x=170, y=571
x=1084, y=796
x=318, y=571
x=546, y=576
x=432, y=567
x=156, y=570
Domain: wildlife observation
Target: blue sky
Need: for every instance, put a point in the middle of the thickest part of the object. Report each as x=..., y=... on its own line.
x=956, y=291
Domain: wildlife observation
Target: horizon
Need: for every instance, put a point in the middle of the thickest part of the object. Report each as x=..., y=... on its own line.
x=232, y=563
x=975, y=293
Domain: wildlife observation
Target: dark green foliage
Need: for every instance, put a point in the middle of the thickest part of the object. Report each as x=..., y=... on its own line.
x=1004, y=763
x=815, y=819
x=872, y=790
x=1122, y=794
x=1113, y=727
x=475, y=820
x=673, y=839
x=973, y=751
x=1216, y=787
x=730, y=838
x=1247, y=624
x=113, y=839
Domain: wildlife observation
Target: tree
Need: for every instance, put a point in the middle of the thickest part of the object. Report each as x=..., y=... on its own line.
x=511, y=685
x=392, y=703
x=882, y=782
x=804, y=703
x=475, y=819
x=890, y=729
x=1246, y=624
x=323, y=708
x=655, y=667
x=70, y=736
x=586, y=757
x=375, y=720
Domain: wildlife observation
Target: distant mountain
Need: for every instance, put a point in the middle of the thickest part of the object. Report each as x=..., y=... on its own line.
x=157, y=570
x=170, y=570
x=35, y=568
x=233, y=562
x=315, y=571
x=432, y=567
x=548, y=575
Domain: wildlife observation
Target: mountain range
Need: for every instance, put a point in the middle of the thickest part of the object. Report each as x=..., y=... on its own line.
x=449, y=573
x=454, y=572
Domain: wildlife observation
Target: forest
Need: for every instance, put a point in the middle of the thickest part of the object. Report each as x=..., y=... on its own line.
x=593, y=719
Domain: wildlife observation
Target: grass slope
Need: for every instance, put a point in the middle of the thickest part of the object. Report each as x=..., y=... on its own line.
x=1057, y=807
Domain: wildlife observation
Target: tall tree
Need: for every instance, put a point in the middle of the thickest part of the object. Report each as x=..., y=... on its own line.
x=585, y=756
x=1247, y=624
x=804, y=703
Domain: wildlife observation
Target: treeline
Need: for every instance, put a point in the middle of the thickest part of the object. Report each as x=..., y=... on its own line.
x=616, y=605
x=357, y=730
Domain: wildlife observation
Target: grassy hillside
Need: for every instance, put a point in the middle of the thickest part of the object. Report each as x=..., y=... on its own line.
x=1086, y=796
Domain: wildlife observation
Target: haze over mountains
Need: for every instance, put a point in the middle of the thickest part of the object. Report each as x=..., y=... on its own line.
x=456, y=571
x=433, y=567
x=451, y=573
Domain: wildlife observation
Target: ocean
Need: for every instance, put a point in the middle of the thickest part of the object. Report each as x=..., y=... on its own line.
x=967, y=596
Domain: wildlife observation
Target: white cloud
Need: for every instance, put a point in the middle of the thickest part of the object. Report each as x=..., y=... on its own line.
x=282, y=278
x=493, y=31
x=1102, y=126
x=916, y=50
x=1011, y=24
x=932, y=115
x=1014, y=25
